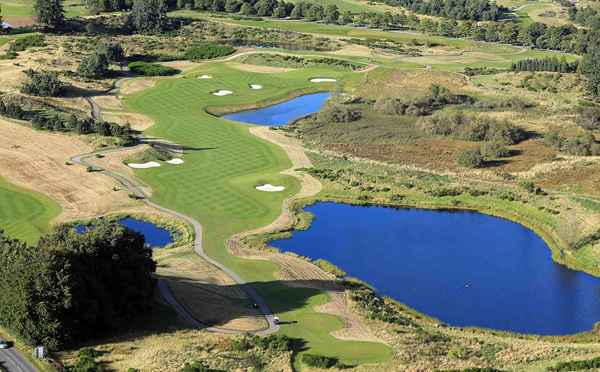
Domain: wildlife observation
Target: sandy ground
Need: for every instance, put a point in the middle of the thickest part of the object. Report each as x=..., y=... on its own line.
x=137, y=85
x=37, y=160
x=184, y=66
x=258, y=69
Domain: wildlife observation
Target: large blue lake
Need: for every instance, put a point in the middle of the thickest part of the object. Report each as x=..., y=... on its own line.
x=282, y=113
x=464, y=268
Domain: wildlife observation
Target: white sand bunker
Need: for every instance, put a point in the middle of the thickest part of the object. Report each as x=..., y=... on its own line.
x=323, y=80
x=256, y=86
x=270, y=188
x=175, y=161
x=150, y=164
x=222, y=93
x=205, y=77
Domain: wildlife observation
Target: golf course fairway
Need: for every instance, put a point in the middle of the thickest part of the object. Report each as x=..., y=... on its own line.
x=216, y=185
x=24, y=214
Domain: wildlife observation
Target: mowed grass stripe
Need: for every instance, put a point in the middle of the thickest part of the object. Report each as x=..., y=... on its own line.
x=24, y=214
x=216, y=185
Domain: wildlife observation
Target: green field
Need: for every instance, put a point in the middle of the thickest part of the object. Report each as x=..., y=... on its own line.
x=216, y=186
x=24, y=214
x=24, y=8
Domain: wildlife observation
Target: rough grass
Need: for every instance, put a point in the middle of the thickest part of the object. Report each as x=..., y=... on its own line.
x=216, y=186
x=25, y=214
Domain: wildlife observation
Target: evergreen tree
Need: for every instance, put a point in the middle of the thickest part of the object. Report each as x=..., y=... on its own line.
x=149, y=16
x=590, y=66
x=49, y=13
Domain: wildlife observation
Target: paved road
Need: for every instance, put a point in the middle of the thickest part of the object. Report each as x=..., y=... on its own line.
x=134, y=189
x=12, y=361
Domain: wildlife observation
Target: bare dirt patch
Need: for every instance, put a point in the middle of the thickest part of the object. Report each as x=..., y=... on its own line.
x=137, y=121
x=258, y=69
x=183, y=66
x=108, y=102
x=37, y=161
x=137, y=85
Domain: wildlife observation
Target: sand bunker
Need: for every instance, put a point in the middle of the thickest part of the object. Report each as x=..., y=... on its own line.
x=150, y=164
x=175, y=161
x=222, y=93
x=270, y=188
x=205, y=77
x=256, y=86
x=323, y=80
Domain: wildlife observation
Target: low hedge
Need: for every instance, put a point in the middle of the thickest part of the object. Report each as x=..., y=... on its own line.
x=152, y=69
x=208, y=51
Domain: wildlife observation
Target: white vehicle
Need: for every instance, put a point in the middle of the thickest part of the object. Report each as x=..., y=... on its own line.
x=276, y=320
x=4, y=344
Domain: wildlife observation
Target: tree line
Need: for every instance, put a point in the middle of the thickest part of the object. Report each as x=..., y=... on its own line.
x=59, y=122
x=473, y=10
x=545, y=64
x=72, y=287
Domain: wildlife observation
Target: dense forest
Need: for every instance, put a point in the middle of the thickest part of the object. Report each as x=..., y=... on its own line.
x=73, y=287
x=546, y=64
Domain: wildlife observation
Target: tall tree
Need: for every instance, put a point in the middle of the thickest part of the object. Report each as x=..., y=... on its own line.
x=590, y=66
x=149, y=16
x=49, y=13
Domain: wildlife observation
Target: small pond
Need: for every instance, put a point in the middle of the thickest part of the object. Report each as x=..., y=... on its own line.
x=464, y=268
x=282, y=113
x=156, y=237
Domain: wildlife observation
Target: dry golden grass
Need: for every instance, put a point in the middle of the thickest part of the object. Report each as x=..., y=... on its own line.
x=209, y=295
x=132, y=86
x=406, y=84
x=258, y=69
x=37, y=160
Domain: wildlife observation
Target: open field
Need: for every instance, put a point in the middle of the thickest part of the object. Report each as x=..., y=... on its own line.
x=25, y=214
x=39, y=161
x=216, y=186
x=20, y=12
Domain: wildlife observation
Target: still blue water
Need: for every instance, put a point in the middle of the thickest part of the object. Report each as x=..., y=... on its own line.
x=282, y=113
x=464, y=268
x=155, y=236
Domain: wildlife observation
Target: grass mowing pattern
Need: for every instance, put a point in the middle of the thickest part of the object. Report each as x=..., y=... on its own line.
x=216, y=186
x=24, y=214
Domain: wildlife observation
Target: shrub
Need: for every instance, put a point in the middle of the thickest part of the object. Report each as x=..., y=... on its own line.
x=94, y=66
x=471, y=159
x=208, y=51
x=113, y=51
x=319, y=361
x=43, y=84
x=26, y=42
x=151, y=69
x=337, y=113
x=195, y=366
x=495, y=149
x=577, y=365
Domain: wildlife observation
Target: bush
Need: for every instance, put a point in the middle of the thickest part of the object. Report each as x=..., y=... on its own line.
x=577, y=365
x=337, y=113
x=589, y=118
x=471, y=159
x=495, y=150
x=113, y=51
x=94, y=66
x=43, y=84
x=26, y=42
x=195, y=366
x=208, y=51
x=151, y=69
x=319, y=361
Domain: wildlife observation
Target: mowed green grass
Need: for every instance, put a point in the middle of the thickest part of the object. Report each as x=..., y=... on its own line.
x=24, y=214
x=216, y=185
x=24, y=8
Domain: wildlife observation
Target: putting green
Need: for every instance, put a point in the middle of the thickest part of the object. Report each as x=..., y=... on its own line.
x=216, y=185
x=25, y=214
